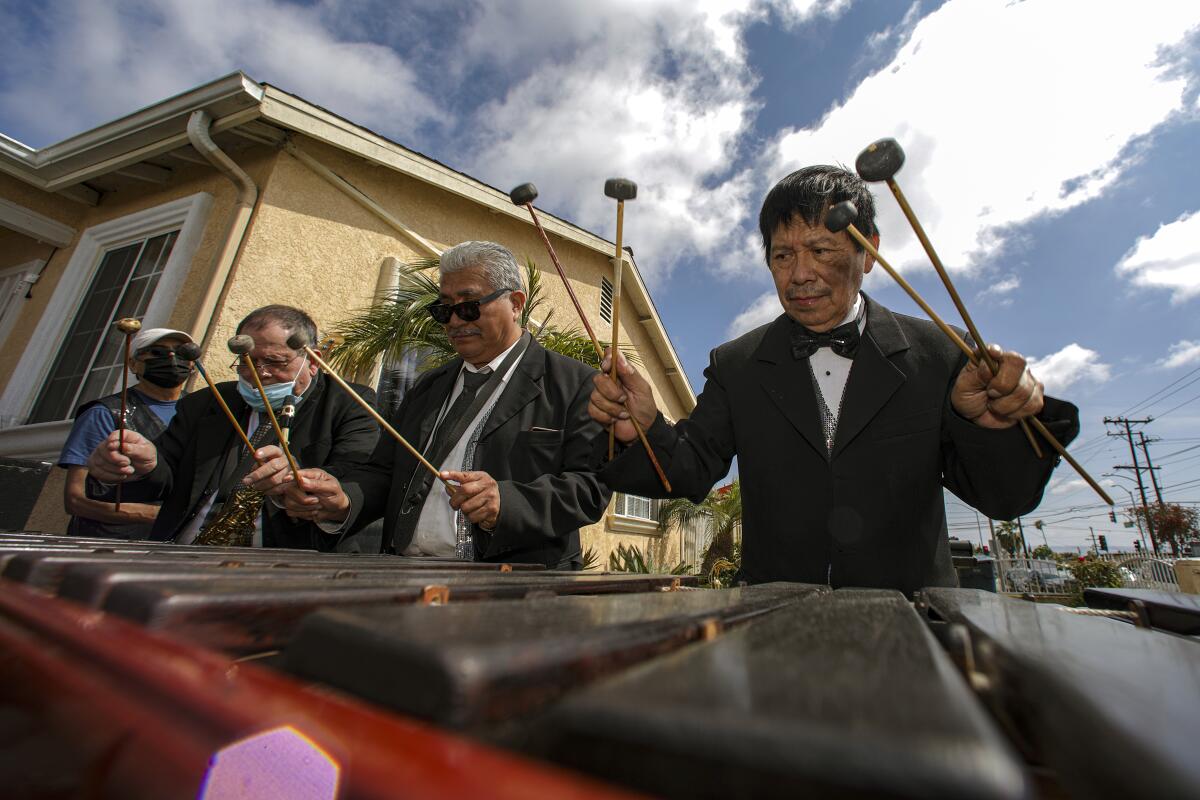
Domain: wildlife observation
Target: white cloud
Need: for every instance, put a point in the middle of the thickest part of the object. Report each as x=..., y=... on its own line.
x=1182, y=353
x=657, y=91
x=1007, y=112
x=104, y=60
x=1167, y=259
x=764, y=309
x=1000, y=289
x=1071, y=365
x=1067, y=485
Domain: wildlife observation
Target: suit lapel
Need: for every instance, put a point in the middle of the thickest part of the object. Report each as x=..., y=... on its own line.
x=435, y=397
x=214, y=436
x=789, y=383
x=522, y=388
x=873, y=378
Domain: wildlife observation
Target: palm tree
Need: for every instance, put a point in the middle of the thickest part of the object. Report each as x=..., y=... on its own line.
x=722, y=509
x=400, y=325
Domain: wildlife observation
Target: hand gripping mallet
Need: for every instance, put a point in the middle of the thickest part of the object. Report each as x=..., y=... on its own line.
x=841, y=217
x=881, y=161
x=128, y=327
x=524, y=195
x=191, y=352
x=241, y=346
x=298, y=341
x=620, y=189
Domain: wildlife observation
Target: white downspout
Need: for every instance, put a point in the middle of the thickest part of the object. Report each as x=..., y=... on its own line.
x=243, y=210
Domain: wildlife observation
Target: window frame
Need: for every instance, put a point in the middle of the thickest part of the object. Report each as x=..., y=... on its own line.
x=188, y=215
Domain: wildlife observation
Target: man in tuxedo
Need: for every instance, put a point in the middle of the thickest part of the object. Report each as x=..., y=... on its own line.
x=506, y=421
x=200, y=467
x=847, y=419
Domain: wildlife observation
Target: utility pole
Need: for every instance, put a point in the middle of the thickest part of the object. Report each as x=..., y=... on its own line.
x=1095, y=547
x=997, y=554
x=1024, y=546
x=979, y=527
x=1149, y=466
x=1137, y=468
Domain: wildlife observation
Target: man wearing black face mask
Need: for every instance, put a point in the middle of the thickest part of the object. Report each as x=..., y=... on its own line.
x=150, y=406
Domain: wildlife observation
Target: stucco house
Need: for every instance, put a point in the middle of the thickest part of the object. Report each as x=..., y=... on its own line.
x=192, y=211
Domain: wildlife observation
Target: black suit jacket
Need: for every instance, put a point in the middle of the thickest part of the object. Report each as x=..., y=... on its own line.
x=536, y=444
x=330, y=431
x=872, y=515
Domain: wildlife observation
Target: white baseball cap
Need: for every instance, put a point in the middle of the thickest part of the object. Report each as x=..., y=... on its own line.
x=149, y=336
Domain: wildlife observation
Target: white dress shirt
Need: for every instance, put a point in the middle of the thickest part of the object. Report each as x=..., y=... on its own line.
x=831, y=370
x=435, y=531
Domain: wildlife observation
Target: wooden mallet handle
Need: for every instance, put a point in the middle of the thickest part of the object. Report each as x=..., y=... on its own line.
x=241, y=347
x=127, y=326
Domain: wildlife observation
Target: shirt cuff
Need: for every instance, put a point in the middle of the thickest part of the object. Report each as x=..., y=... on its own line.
x=330, y=526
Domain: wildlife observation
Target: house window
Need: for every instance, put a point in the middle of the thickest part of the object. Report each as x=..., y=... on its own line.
x=90, y=360
x=606, y=299
x=631, y=505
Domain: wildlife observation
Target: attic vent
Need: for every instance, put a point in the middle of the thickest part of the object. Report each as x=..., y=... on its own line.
x=606, y=298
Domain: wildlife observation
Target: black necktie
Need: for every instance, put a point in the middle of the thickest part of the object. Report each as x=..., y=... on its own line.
x=472, y=383
x=842, y=340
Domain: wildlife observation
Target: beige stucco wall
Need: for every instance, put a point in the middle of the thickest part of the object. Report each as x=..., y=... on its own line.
x=17, y=249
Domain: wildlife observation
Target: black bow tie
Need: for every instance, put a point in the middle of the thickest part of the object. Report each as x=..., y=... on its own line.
x=842, y=340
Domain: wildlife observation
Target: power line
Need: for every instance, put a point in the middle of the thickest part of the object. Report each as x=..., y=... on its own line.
x=1154, y=397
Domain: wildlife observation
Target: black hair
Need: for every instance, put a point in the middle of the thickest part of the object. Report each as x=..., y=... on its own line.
x=291, y=319
x=808, y=193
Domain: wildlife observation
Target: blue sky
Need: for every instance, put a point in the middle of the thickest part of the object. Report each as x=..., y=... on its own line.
x=1051, y=153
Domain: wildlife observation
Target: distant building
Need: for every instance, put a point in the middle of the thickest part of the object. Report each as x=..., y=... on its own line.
x=307, y=208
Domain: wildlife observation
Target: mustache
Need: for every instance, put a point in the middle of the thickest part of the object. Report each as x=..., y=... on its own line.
x=459, y=332
x=796, y=293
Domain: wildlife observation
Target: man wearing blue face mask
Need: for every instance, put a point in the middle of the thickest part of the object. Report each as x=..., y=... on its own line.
x=200, y=467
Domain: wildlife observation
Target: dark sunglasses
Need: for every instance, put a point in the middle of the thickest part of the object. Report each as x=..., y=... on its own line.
x=467, y=310
x=159, y=351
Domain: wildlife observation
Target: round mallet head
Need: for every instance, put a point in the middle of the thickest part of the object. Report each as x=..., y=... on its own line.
x=524, y=194
x=240, y=345
x=841, y=216
x=297, y=341
x=188, y=352
x=128, y=326
x=620, y=188
x=880, y=161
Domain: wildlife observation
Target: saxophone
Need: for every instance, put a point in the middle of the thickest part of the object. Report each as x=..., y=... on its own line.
x=234, y=526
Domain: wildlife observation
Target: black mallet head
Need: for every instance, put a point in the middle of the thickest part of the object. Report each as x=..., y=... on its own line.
x=841, y=216
x=620, y=188
x=880, y=161
x=240, y=345
x=524, y=194
x=297, y=341
x=188, y=352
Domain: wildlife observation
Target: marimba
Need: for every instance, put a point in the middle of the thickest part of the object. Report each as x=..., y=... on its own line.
x=142, y=670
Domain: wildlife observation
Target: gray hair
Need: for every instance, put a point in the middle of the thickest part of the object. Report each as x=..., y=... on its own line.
x=497, y=262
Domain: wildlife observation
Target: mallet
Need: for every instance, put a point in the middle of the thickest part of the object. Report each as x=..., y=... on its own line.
x=298, y=341
x=128, y=327
x=881, y=161
x=524, y=195
x=620, y=189
x=841, y=217
x=191, y=352
x=241, y=346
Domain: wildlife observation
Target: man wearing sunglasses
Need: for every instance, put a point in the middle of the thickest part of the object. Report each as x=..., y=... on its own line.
x=150, y=405
x=507, y=421
x=200, y=468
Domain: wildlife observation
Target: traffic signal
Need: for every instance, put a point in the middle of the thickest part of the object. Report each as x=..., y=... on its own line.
x=1137, y=545
x=1103, y=543
x=1112, y=515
